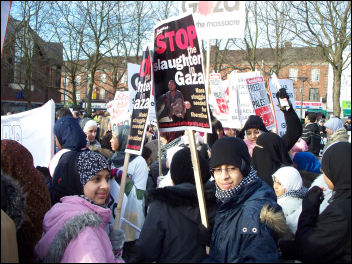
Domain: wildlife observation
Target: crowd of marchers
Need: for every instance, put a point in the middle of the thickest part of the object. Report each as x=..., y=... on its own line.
x=268, y=198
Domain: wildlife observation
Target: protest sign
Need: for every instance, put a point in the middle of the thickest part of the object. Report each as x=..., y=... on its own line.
x=240, y=103
x=279, y=115
x=180, y=94
x=217, y=19
x=141, y=107
x=219, y=100
x=260, y=101
x=133, y=76
x=34, y=130
x=118, y=109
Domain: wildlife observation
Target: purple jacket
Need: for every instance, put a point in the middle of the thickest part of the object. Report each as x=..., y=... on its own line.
x=74, y=231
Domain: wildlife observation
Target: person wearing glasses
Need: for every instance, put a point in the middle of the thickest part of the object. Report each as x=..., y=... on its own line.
x=248, y=221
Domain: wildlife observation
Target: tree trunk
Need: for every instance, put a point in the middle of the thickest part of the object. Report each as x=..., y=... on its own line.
x=336, y=92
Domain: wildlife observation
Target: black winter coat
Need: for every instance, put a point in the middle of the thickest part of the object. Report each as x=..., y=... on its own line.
x=172, y=231
x=326, y=238
x=311, y=135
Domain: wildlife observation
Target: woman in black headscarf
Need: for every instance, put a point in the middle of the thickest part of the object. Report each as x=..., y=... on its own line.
x=269, y=154
x=271, y=150
x=329, y=233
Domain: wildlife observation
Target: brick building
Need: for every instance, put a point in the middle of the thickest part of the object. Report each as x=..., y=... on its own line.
x=296, y=63
x=103, y=88
x=45, y=71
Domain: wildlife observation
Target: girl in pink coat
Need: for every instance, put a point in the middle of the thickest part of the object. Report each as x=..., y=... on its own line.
x=74, y=229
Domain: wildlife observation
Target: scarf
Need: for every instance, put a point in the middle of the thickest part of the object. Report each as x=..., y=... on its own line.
x=89, y=200
x=169, y=145
x=300, y=193
x=69, y=134
x=225, y=194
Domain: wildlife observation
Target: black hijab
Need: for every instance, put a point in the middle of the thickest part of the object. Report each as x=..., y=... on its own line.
x=66, y=180
x=336, y=164
x=269, y=154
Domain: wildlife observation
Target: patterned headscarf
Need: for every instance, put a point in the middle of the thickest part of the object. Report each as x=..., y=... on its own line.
x=90, y=163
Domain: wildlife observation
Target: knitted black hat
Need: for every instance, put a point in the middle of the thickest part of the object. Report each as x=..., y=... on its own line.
x=181, y=168
x=253, y=121
x=233, y=151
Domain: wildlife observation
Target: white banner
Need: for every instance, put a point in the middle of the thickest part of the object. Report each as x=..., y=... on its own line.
x=118, y=109
x=279, y=116
x=216, y=19
x=34, y=129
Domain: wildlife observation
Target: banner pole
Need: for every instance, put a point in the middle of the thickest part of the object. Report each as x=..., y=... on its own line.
x=122, y=190
x=207, y=81
x=159, y=152
x=197, y=178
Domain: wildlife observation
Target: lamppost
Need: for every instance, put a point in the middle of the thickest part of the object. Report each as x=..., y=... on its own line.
x=303, y=79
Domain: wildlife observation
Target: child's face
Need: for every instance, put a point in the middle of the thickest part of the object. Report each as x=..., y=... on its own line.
x=279, y=189
x=98, y=187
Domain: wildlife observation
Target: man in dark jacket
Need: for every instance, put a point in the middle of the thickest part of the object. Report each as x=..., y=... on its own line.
x=311, y=134
x=173, y=231
x=247, y=215
x=326, y=238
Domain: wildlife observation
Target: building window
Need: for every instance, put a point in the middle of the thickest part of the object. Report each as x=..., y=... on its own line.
x=293, y=74
x=78, y=80
x=65, y=82
x=78, y=95
x=314, y=94
x=58, y=76
x=103, y=78
x=102, y=94
x=314, y=75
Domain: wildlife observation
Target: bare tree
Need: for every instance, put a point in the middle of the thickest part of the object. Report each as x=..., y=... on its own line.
x=252, y=32
x=275, y=19
x=69, y=30
x=327, y=26
x=98, y=15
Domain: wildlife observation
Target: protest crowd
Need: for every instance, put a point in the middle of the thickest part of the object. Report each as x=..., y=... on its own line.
x=215, y=195
x=268, y=198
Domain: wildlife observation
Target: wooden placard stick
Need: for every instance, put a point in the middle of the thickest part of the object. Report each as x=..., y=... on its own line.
x=122, y=190
x=159, y=152
x=198, y=178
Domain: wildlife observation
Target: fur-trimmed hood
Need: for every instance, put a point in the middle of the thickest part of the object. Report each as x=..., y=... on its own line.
x=13, y=199
x=275, y=220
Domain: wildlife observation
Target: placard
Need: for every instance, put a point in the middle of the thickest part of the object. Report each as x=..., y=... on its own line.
x=180, y=94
